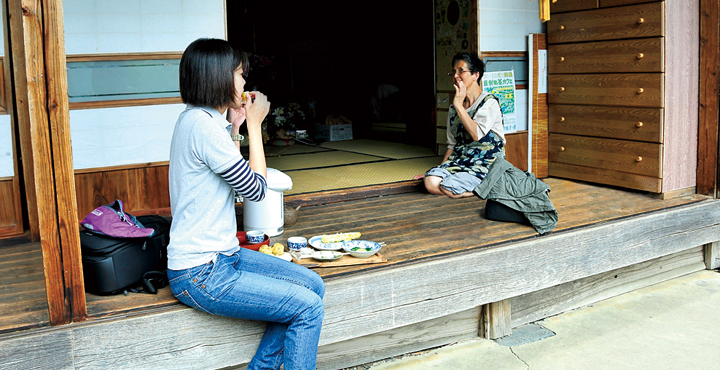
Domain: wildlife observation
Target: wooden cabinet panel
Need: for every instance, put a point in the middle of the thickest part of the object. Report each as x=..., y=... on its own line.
x=10, y=221
x=630, y=90
x=618, y=56
x=645, y=20
x=608, y=3
x=609, y=177
x=572, y=5
x=639, y=124
x=617, y=155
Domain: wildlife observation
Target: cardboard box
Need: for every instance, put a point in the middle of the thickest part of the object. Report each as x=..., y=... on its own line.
x=333, y=132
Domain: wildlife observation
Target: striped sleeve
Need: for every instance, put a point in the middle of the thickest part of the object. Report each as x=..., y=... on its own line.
x=243, y=179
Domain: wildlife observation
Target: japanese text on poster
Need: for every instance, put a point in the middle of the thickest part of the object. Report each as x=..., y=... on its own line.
x=502, y=85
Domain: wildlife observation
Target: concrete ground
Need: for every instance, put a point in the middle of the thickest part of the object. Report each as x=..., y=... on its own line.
x=671, y=325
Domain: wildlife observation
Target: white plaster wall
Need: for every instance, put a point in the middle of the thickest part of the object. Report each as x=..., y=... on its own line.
x=505, y=24
x=120, y=136
x=6, y=150
x=130, y=135
x=124, y=26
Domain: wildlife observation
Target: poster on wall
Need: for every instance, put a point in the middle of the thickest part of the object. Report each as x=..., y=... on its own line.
x=502, y=85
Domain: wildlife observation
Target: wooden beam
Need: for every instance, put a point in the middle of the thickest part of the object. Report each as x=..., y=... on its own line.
x=40, y=80
x=708, y=171
x=551, y=301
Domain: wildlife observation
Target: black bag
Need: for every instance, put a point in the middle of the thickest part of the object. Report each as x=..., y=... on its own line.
x=114, y=265
x=499, y=212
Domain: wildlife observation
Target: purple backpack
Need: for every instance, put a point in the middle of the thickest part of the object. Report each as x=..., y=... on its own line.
x=111, y=220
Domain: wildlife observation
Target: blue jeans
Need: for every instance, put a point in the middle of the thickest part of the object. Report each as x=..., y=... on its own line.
x=256, y=286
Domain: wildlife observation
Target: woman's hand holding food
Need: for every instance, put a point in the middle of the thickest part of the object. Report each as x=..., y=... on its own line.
x=256, y=108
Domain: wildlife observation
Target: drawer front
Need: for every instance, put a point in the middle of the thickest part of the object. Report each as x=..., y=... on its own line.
x=618, y=56
x=610, y=154
x=609, y=3
x=634, y=21
x=572, y=5
x=629, y=90
x=638, y=124
x=608, y=177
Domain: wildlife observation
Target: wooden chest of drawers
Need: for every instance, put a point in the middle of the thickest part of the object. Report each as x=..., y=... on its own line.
x=616, y=69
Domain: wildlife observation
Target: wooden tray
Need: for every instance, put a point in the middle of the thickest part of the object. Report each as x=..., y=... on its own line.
x=346, y=260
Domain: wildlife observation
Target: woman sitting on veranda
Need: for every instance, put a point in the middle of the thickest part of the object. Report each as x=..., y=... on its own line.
x=475, y=133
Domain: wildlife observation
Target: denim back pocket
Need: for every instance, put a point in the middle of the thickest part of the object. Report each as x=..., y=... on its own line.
x=218, y=277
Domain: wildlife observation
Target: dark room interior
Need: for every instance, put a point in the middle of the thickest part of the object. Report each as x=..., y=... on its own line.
x=339, y=58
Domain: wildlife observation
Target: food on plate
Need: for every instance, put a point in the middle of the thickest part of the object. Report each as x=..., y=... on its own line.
x=265, y=249
x=278, y=249
x=340, y=237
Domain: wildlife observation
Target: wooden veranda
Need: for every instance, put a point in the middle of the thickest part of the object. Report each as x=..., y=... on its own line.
x=451, y=274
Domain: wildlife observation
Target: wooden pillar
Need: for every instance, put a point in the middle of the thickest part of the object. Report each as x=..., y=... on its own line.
x=495, y=320
x=712, y=255
x=37, y=47
x=708, y=171
x=539, y=139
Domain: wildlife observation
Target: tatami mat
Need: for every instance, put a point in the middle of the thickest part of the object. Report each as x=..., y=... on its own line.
x=322, y=179
x=318, y=160
x=380, y=148
x=298, y=148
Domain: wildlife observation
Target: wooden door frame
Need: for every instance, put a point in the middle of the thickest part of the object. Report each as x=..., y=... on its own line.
x=7, y=93
x=708, y=168
x=39, y=78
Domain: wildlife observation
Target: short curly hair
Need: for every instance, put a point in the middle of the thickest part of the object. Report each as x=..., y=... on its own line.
x=207, y=72
x=475, y=64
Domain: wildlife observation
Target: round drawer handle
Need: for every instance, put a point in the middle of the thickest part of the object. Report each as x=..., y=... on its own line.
x=562, y=28
x=639, y=124
x=638, y=159
x=640, y=55
x=562, y=59
x=562, y=88
x=640, y=90
x=641, y=20
x=562, y=148
x=562, y=119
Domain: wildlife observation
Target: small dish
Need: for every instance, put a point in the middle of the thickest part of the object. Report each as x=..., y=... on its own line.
x=327, y=255
x=317, y=243
x=361, y=248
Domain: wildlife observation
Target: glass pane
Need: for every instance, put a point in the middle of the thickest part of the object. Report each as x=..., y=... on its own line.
x=519, y=65
x=123, y=79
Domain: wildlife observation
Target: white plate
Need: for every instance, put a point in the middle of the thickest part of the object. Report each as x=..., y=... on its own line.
x=316, y=242
x=326, y=255
x=286, y=256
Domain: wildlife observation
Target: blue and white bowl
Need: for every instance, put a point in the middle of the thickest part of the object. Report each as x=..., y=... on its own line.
x=296, y=243
x=361, y=248
x=254, y=236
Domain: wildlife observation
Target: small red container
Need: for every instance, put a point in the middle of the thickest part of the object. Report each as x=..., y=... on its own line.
x=245, y=244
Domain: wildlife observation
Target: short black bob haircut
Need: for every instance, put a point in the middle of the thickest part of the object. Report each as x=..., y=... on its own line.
x=207, y=72
x=475, y=64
